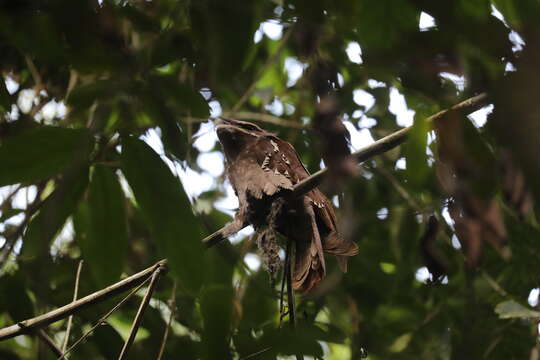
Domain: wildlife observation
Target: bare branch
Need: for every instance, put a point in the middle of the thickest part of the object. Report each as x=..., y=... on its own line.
x=49, y=342
x=35, y=73
x=172, y=305
x=99, y=296
x=251, y=356
x=101, y=321
x=140, y=313
x=378, y=147
x=75, y=295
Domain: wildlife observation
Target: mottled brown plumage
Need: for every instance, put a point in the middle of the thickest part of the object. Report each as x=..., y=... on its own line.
x=260, y=167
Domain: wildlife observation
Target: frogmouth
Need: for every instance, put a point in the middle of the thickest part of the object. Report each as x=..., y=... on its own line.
x=262, y=168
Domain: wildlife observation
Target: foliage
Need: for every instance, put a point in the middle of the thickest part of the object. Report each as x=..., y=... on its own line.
x=85, y=184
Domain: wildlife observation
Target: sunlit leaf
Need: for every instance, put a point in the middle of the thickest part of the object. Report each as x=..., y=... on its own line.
x=511, y=309
x=401, y=343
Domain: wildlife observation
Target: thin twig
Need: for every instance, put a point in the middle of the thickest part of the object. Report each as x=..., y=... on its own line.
x=268, y=63
x=282, y=312
x=46, y=339
x=35, y=73
x=138, y=317
x=11, y=240
x=49, y=342
x=10, y=196
x=378, y=147
x=71, y=308
x=290, y=292
x=101, y=321
x=267, y=118
x=172, y=305
x=75, y=295
x=250, y=356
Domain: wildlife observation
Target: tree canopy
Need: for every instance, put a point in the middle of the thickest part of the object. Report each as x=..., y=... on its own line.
x=108, y=155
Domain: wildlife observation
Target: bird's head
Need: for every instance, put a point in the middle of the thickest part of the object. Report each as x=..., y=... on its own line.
x=235, y=135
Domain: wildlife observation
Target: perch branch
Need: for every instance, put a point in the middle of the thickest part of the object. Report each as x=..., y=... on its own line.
x=40, y=321
x=378, y=147
x=140, y=313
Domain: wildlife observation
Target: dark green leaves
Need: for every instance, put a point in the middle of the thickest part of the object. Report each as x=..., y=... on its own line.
x=104, y=243
x=42, y=152
x=14, y=298
x=54, y=212
x=166, y=209
x=4, y=96
x=417, y=169
x=216, y=308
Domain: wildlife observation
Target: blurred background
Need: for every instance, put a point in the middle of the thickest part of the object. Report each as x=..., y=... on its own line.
x=108, y=154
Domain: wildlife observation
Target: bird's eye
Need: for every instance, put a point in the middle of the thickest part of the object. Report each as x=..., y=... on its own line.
x=250, y=127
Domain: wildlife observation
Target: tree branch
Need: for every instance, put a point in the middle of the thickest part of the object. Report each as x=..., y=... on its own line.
x=28, y=325
x=172, y=306
x=42, y=334
x=75, y=295
x=378, y=147
x=140, y=313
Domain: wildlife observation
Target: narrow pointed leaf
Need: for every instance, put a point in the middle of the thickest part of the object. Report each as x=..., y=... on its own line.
x=42, y=152
x=104, y=248
x=166, y=209
x=54, y=212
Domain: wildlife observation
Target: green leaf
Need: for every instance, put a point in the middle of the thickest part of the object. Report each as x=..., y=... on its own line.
x=42, y=152
x=415, y=152
x=84, y=96
x=180, y=95
x=166, y=209
x=13, y=297
x=216, y=308
x=383, y=23
x=174, y=141
x=54, y=212
x=401, y=343
x=5, y=100
x=289, y=341
x=510, y=309
x=104, y=248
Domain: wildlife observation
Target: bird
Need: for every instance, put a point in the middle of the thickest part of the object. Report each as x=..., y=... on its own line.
x=262, y=169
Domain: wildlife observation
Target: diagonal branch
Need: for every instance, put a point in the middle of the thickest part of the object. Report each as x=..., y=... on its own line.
x=140, y=312
x=40, y=321
x=378, y=147
x=102, y=320
x=75, y=294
